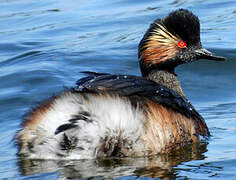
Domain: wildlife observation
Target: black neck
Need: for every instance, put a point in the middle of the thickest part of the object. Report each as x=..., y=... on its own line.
x=165, y=77
x=146, y=69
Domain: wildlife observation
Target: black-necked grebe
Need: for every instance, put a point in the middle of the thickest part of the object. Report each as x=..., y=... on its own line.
x=123, y=115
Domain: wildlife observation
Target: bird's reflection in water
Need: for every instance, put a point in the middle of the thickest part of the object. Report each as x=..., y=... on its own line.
x=156, y=166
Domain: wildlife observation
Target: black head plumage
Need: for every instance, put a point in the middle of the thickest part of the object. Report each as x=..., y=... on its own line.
x=171, y=41
x=185, y=24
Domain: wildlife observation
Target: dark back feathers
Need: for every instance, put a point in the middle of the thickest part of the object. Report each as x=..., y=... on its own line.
x=134, y=86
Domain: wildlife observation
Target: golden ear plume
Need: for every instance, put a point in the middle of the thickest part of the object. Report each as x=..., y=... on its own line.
x=159, y=46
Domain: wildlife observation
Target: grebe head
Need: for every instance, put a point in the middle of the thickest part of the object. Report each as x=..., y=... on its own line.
x=171, y=41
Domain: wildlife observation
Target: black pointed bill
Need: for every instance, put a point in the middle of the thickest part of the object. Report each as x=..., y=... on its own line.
x=205, y=54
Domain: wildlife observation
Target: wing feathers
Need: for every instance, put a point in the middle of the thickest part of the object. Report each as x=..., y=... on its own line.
x=127, y=85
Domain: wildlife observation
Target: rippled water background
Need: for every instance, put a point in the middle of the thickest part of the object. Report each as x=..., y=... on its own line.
x=45, y=44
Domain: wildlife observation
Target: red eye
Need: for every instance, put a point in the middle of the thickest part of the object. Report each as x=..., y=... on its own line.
x=182, y=44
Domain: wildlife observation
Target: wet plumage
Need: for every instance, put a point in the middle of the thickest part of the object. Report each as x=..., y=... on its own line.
x=123, y=115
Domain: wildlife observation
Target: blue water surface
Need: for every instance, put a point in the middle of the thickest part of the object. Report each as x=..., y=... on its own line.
x=45, y=44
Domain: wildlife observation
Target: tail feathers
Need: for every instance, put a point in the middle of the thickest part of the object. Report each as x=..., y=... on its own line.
x=77, y=126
